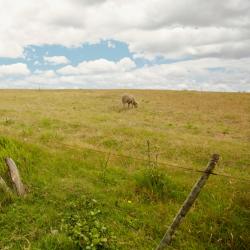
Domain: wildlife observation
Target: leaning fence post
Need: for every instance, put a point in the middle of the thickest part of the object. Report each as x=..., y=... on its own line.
x=15, y=177
x=4, y=186
x=188, y=203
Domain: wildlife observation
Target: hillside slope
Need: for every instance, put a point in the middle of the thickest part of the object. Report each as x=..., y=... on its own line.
x=67, y=143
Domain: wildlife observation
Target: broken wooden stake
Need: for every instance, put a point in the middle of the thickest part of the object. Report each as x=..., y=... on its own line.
x=188, y=203
x=15, y=177
x=5, y=187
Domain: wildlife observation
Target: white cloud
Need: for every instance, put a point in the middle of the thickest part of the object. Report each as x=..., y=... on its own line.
x=179, y=42
x=159, y=27
x=126, y=64
x=37, y=63
x=210, y=74
x=100, y=66
x=111, y=45
x=18, y=69
x=215, y=33
x=56, y=60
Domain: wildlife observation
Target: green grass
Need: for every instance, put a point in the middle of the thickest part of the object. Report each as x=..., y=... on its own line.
x=136, y=204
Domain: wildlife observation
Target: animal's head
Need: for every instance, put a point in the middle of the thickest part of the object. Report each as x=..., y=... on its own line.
x=135, y=104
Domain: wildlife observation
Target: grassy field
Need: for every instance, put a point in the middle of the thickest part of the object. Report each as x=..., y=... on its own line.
x=184, y=129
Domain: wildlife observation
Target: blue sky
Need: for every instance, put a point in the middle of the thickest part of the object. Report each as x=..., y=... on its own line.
x=87, y=51
x=111, y=50
x=154, y=44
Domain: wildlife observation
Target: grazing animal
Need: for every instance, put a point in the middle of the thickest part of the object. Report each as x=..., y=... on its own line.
x=129, y=99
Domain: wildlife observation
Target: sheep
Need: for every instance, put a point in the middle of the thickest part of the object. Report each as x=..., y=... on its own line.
x=129, y=100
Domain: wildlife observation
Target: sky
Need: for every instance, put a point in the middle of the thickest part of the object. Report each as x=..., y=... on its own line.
x=150, y=44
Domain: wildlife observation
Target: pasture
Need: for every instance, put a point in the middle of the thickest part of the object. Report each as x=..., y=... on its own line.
x=56, y=138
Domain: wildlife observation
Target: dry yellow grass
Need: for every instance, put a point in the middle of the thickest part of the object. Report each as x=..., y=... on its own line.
x=182, y=124
x=184, y=128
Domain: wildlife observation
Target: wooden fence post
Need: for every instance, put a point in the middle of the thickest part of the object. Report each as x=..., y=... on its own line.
x=15, y=177
x=4, y=186
x=188, y=203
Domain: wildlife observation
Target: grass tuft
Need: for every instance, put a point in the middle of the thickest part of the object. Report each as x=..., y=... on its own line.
x=153, y=184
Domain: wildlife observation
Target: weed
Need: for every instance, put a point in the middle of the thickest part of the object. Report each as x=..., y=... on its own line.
x=153, y=184
x=8, y=122
x=104, y=166
x=84, y=227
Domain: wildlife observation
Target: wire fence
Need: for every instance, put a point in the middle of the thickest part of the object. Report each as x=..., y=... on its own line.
x=172, y=165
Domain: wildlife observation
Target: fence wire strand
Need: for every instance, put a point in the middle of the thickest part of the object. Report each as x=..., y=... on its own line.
x=176, y=166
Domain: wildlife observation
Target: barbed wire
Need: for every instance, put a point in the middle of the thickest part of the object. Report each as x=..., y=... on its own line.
x=176, y=166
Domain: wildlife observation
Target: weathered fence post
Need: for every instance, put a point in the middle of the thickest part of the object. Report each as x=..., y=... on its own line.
x=4, y=186
x=15, y=177
x=188, y=203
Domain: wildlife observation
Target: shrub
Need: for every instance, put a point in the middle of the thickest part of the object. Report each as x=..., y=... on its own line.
x=84, y=227
x=154, y=184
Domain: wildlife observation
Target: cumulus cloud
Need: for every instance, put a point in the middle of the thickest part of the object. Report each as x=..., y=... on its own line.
x=159, y=27
x=180, y=42
x=224, y=75
x=17, y=69
x=100, y=66
x=56, y=59
x=214, y=35
x=111, y=45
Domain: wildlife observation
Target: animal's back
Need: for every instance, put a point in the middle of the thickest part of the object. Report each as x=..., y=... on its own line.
x=126, y=99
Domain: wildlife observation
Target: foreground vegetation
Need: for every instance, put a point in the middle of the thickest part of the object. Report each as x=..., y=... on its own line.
x=80, y=198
